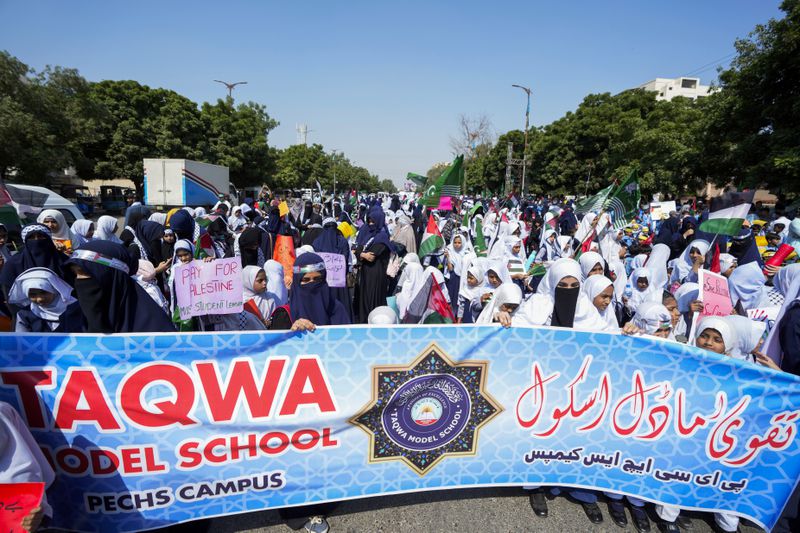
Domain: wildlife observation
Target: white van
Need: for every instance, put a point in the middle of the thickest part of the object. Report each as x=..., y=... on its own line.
x=53, y=201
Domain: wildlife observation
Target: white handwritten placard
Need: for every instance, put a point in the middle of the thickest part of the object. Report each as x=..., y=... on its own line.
x=209, y=288
x=336, y=268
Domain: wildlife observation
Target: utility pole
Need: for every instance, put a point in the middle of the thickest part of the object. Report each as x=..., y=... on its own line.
x=230, y=86
x=525, y=146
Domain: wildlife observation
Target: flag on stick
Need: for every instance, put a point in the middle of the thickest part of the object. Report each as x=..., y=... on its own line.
x=593, y=203
x=727, y=212
x=624, y=201
x=432, y=240
x=448, y=184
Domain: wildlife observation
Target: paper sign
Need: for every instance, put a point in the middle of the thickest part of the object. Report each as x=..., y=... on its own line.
x=714, y=294
x=336, y=269
x=285, y=255
x=17, y=500
x=213, y=288
x=661, y=210
x=445, y=203
x=283, y=209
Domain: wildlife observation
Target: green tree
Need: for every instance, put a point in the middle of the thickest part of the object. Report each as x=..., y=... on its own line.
x=301, y=166
x=237, y=139
x=387, y=185
x=145, y=123
x=47, y=120
x=753, y=122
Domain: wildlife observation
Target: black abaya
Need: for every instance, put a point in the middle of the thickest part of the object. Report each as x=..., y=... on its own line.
x=372, y=282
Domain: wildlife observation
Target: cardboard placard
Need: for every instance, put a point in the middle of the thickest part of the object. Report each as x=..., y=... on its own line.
x=209, y=288
x=336, y=269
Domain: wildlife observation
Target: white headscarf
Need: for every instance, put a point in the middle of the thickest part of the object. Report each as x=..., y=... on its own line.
x=726, y=261
x=438, y=277
x=538, y=309
x=507, y=293
x=726, y=329
x=620, y=278
x=499, y=267
x=105, y=229
x=593, y=286
x=684, y=265
x=63, y=233
x=414, y=280
x=263, y=300
x=457, y=257
x=685, y=295
x=652, y=316
x=80, y=228
x=650, y=294
x=473, y=265
x=46, y=280
x=588, y=261
x=657, y=264
x=382, y=316
x=275, y=283
x=749, y=333
x=747, y=285
x=160, y=218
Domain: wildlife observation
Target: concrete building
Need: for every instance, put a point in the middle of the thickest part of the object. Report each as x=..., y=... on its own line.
x=669, y=88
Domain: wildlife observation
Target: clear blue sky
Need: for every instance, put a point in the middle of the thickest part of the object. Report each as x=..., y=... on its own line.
x=384, y=82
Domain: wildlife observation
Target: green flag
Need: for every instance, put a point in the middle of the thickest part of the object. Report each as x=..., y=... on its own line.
x=480, y=241
x=416, y=179
x=593, y=203
x=448, y=184
x=469, y=214
x=624, y=201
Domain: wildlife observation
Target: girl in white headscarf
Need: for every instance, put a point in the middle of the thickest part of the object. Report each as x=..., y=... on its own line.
x=46, y=303
x=413, y=280
x=473, y=281
x=652, y=318
x=455, y=256
x=600, y=291
x=107, y=229
x=750, y=333
x=642, y=289
x=547, y=251
x=515, y=257
x=254, y=285
x=747, y=285
x=61, y=234
x=690, y=262
x=591, y=263
x=275, y=284
x=507, y=299
x=657, y=264
x=382, y=316
x=717, y=335
x=83, y=231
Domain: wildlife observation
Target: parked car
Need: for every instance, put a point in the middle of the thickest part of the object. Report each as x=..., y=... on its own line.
x=81, y=197
x=112, y=199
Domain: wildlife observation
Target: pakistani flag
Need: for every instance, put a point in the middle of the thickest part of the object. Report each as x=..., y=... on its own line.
x=727, y=212
x=448, y=184
x=432, y=240
x=624, y=201
x=593, y=203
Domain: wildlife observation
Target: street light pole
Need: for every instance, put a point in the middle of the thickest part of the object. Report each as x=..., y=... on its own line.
x=525, y=146
x=230, y=86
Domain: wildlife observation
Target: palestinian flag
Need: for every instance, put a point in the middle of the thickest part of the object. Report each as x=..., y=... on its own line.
x=204, y=247
x=448, y=184
x=432, y=240
x=727, y=212
x=429, y=306
x=593, y=203
x=624, y=201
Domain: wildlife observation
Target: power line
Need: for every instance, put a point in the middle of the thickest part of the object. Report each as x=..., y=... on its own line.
x=712, y=64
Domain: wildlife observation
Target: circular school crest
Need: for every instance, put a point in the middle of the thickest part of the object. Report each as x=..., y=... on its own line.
x=427, y=410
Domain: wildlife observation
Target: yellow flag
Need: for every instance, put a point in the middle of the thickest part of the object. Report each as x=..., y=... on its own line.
x=283, y=208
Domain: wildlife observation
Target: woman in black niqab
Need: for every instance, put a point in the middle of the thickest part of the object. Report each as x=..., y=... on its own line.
x=110, y=299
x=332, y=241
x=373, y=249
x=39, y=251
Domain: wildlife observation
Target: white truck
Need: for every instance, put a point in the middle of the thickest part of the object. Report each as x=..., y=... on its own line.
x=182, y=182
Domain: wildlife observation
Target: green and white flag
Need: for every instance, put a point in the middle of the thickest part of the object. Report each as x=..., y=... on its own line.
x=727, y=213
x=624, y=201
x=417, y=179
x=432, y=240
x=593, y=203
x=448, y=184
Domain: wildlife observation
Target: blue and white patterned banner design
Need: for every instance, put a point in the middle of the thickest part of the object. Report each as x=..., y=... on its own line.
x=149, y=430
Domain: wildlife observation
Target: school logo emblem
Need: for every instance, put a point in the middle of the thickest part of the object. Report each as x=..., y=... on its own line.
x=426, y=411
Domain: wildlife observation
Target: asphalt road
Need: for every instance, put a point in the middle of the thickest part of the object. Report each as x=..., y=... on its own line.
x=472, y=510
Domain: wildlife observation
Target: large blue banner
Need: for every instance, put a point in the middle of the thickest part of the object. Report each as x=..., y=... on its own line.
x=149, y=430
